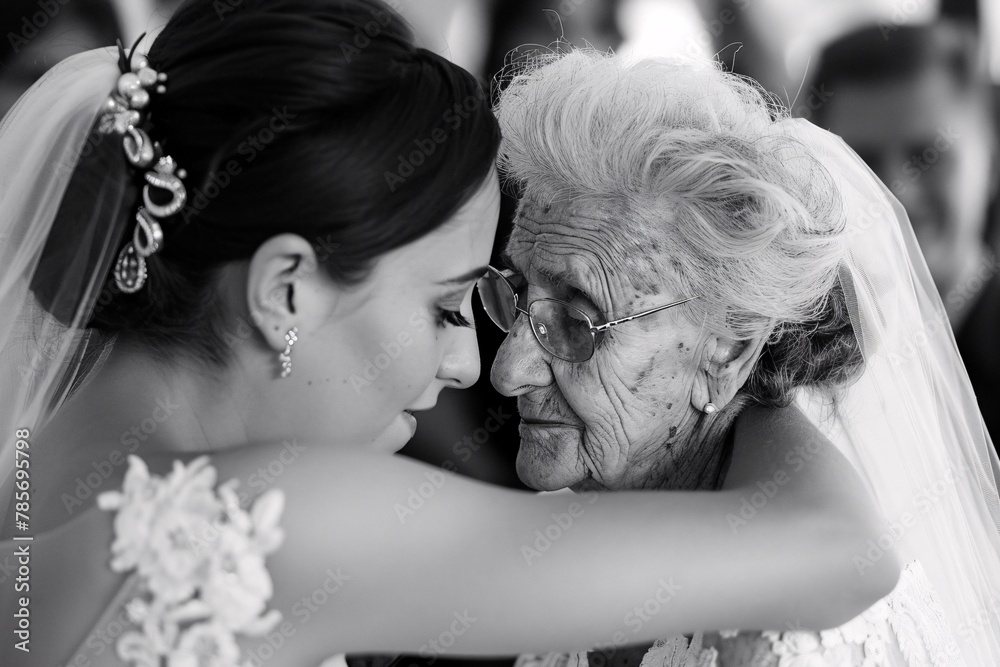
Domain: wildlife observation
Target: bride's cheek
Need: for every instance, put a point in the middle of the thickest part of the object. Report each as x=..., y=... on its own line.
x=410, y=364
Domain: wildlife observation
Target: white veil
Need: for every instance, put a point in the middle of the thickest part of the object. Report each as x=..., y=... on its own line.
x=911, y=424
x=53, y=251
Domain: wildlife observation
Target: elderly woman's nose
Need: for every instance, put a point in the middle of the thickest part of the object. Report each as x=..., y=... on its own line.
x=521, y=364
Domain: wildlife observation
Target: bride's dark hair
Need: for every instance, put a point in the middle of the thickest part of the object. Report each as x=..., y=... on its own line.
x=314, y=117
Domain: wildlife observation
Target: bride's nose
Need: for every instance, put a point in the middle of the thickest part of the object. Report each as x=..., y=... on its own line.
x=460, y=365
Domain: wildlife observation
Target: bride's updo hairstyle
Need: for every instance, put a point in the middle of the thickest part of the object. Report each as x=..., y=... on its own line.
x=712, y=182
x=314, y=117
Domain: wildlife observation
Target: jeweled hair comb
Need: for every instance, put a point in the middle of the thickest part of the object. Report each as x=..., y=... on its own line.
x=123, y=114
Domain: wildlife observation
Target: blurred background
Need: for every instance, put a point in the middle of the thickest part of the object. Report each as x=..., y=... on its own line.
x=909, y=83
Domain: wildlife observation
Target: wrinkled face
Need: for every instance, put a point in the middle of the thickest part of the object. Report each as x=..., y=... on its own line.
x=622, y=419
x=930, y=146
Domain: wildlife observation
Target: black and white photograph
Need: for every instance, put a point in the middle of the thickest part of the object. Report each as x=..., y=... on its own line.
x=499, y=333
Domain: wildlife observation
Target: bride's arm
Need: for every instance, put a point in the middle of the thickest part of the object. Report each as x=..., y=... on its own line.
x=387, y=554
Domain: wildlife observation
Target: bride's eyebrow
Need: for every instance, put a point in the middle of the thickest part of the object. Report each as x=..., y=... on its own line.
x=467, y=277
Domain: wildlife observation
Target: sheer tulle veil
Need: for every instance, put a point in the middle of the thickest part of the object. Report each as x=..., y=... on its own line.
x=54, y=167
x=910, y=424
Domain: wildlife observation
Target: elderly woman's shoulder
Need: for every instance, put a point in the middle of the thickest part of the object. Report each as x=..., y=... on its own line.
x=761, y=420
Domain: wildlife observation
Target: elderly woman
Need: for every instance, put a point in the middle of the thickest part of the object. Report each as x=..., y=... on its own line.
x=683, y=251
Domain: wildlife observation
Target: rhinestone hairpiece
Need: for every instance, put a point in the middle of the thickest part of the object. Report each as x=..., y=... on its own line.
x=122, y=114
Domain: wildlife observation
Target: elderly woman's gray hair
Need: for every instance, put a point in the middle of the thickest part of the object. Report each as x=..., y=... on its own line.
x=706, y=165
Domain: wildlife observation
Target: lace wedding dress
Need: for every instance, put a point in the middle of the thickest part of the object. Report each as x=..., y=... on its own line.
x=907, y=627
x=198, y=579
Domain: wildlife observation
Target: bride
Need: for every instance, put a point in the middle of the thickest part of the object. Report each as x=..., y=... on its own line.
x=259, y=244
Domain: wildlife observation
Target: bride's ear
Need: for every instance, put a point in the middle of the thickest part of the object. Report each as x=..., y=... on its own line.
x=726, y=364
x=281, y=278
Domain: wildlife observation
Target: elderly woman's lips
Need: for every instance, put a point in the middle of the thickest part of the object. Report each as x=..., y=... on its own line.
x=542, y=422
x=538, y=420
x=549, y=457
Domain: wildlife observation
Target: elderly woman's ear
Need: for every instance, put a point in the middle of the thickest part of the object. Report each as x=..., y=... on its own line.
x=725, y=366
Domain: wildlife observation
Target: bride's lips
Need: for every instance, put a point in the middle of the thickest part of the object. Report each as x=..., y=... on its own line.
x=410, y=420
x=397, y=433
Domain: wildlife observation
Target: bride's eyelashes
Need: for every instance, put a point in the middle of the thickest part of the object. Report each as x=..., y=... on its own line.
x=452, y=317
x=446, y=316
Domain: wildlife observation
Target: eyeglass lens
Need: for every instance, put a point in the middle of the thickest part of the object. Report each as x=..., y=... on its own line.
x=560, y=328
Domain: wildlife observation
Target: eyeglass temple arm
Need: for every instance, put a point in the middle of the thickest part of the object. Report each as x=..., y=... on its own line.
x=602, y=327
x=513, y=290
x=608, y=325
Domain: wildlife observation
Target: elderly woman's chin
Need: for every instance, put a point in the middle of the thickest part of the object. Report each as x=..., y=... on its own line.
x=550, y=457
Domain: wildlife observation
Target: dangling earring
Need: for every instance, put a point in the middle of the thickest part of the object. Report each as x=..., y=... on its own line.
x=286, y=356
x=710, y=408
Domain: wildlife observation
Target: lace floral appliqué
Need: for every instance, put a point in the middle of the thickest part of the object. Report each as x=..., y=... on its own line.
x=911, y=617
x=199, y=558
